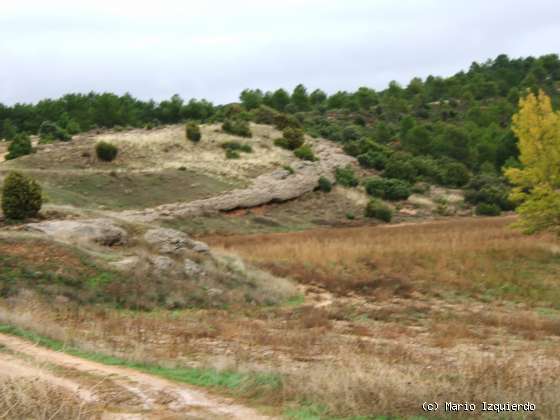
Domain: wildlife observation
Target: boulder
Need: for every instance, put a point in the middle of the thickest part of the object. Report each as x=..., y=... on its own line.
x=100, y=231
x=162, y=264
x=171, y=241
x=191, y=268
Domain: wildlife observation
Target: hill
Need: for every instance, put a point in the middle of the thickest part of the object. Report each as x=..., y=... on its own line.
x=309, y=256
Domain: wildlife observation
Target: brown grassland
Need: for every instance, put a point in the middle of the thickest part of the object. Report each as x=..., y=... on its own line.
x=458, y=310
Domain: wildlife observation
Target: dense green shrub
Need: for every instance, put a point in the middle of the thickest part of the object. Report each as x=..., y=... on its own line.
x=324, y=185
x=237, y=127
x=21, y=197
x=20, y=146
x=346, y=177
x=488, y=189
x=8, y=130
x=293, y=138
x=72, y=127
x=374, y=160
x=305, y=152
x=427, y=168
x=193, y=132
x=486, y=209
x=283, y=121
x=350, y=133
x=387, y=188
x=106, y=152
x=49, y=131
x=400, y=168
x=378, y=210
x=454, y=174
x=265, y=115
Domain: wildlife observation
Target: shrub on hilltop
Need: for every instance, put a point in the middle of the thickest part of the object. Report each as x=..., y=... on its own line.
x=237, y=127
x=106, y=152
x=265, y=115
x=193, y=132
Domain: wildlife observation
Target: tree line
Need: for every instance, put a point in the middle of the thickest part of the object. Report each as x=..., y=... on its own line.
x=464, y=118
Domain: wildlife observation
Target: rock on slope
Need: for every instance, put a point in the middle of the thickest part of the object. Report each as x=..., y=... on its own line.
x=277, y=186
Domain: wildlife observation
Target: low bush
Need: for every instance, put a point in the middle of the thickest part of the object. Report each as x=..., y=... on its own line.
x=400, y=167
x=346, y=177
x=21, y=197
x=283, y=121
x=488, y=189
x=106, y=152
x=305, y=153
x=427, y=168
x=234, y=149
x=281, y=142
x=292, y=139
x=374, y=160
x=20, y=146
x=237, y=127
x=235, y=145
x=265, y=115
x=49, y=131
x=324, y=185
x=378, y=210
x=387, y=188
x=289, y=169
x=454, y=174
x=486, y=209
x=232, y=154
x=193, y=132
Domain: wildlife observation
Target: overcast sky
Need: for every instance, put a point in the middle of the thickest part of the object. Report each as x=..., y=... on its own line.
x=213, y=49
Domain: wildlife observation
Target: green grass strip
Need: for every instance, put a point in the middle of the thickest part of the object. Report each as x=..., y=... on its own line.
x=207, y=378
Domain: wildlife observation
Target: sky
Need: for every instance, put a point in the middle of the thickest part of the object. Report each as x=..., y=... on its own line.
x=214, y=49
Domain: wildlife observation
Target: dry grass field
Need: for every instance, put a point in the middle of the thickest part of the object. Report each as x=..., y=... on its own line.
x=389, y=317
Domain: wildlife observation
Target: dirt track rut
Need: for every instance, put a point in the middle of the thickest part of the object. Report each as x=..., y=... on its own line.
x=150, y=397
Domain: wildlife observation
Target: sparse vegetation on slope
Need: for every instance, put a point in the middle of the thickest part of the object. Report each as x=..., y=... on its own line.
x=384, y=309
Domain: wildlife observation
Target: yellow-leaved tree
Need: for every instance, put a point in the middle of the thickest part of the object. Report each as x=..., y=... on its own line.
x=537, y=182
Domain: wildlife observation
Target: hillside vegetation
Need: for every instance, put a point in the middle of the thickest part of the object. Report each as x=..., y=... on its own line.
x=314, y=256
x=453, y=131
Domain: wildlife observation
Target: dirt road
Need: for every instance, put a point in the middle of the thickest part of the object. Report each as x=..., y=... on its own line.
x=122, y=393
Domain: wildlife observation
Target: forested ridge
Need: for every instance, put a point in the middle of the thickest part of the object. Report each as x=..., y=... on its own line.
x=464, y=119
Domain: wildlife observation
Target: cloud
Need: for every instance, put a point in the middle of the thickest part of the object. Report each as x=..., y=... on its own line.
x=214, y=49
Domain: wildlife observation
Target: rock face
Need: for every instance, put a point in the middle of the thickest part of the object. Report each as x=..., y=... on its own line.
x=191, y=269
x=171, y=241
x=276, y=186
x=100, y=231
x=161, y=264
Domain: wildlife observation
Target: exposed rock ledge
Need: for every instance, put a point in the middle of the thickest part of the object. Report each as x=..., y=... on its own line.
x=277, y=186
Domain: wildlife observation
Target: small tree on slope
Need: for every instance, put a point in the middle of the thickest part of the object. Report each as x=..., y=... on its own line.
x=537, y=182
x=21, y=197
